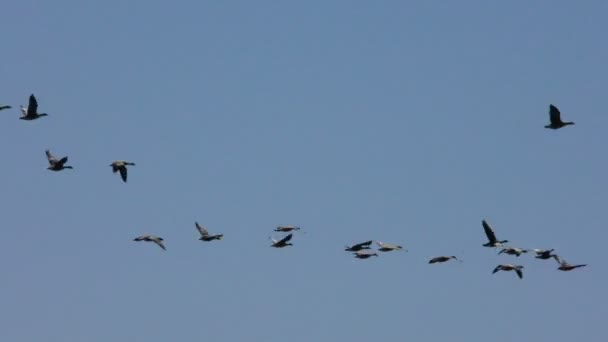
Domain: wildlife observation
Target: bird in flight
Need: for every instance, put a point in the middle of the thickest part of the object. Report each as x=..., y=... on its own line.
x=152, y=238
x=365, y=254
x=564, y=265
x=492, y=241
x=513, y=251
x=387, y=247
x=286, y=229
x=544, y=254
x=284, y=242
x=442, y=259
x=121, y=165
x=31, y=113
x=555, y=118
x=359, y=246
x=509, y=267
x=205, y=236
x=56, y=164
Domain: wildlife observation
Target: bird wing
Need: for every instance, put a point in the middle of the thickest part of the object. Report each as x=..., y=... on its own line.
x=520, y=274
x=554, y=114
x=159, y=242
x=362, y=244
x=496, y=269
x=286, y=239
x=201, y=229
x=32, y=107
x=489, y=231
x=123, y=173
x=50, y=157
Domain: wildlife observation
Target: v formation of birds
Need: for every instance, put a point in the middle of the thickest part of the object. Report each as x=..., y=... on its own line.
x=361, y=250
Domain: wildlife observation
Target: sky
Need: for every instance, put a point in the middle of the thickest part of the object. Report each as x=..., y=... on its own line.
x=403, y=122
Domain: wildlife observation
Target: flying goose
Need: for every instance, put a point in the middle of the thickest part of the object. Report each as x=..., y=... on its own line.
x=544, y=254
x=5, y=107
x=56, y=164
x=359, y=246
x=442, y=259
x=555, y=118
x=284, y=242
x=513, y=251
x=564, y=265
x=31, y=113
x=364, y=254
x=286, y=229
x=492, y=241
x=121, y=165
x=151, y=238
x=387, y=247
x=205, y=234
x=509, y=267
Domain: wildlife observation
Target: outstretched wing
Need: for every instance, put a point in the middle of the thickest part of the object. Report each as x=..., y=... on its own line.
x=201, y=229
x=32, y=107
x=123, y=173
x=50, y=157
x=496, y=269
x=489, y=231
x=286, y=239
x=520, y=274
x=363, y=244
x=159, y=242
x=554, y=115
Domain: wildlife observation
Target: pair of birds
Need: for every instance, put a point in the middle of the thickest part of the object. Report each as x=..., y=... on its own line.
x=205, y=236
x=58, y=164
x=284, y=242
x=563, y=266
x=363, y=250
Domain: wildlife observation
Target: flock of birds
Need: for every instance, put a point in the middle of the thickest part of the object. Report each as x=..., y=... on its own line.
x=361, y=250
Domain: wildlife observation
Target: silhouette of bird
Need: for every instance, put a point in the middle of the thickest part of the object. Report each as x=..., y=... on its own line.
x=286, y=229
x=205, y=236
x=284, y=242
x=564, y=265
x=441, y=259
x=556, y=120
x=31, y=113
x=364, y=254
x=509, y=267
x=56, y=164
x=492, y=241
x=387, y=247
x=359, y=246
x=151, y=238
x=5, y=107
x=121, y=165
x=513, y=251
x=544, y=254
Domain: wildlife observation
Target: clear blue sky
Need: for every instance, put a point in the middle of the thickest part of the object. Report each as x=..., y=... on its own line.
x=405, y=122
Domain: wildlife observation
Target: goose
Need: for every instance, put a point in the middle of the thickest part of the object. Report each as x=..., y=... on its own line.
x=286, y=229
x=513, y=251
x=151, y=238
x=364, y=254
x=284, y=242
x=544, y=254
x=442, y=259
x=5, y=107
x=56, y=164
x=359, y=246
x=31, y=113
x=509, y=267
x=205, y=234
x=121, y=165
x=565, y=266
x=492, y=241
x=387, y=247
x=555, y=118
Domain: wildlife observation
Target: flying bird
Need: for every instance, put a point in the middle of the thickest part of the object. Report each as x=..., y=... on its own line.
x=365, y=254
x=509, y=267
x=359, y=246
x=284, y=242
x=5, y=107
x=205, y=236
x=492, y=241
x=286, y=229
x=544, y=254
x=151, y=238
x=442, y=259
x=387, y=247
x=513, y=251
x=56, y=164
x=565, y=266
x=121, y=165
x=31, y=113
x=555, y=118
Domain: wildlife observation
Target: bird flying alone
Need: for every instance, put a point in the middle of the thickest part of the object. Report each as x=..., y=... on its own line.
x=152, y=238
x=121, y=166
x=205, y=236
x=387, y=247
x=286, y=229
x=359, y=246
x=509, y=267
x=441, y=259
x=544, y=254
x=365, y=254
x=284, y=242
x=513, y=251
x=492, y=241
x=555, y=118
x=31, y=113
x=56, y=164
x=565, y=266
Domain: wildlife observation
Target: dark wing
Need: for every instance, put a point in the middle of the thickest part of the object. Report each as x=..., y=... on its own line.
x=123, y=173
x=63, y=160
x=32, y=107
x=362, y=244
x=159, y=243
x=497, y=269
x=286, y=239
x=201, y=229
x=50, y=157
x=520, y=274
x=489, y=231
x=554, y=115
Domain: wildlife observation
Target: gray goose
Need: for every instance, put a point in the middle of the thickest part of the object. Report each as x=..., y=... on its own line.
x=513, y=251
x=151, y=238
x=56, y=164
x=286, y=229
x=205, y=236
x=365, y=254
x=509, y=267
x=565, y=266
x=388, y=247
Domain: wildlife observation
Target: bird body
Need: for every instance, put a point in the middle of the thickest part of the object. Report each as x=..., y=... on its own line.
x=513, y=251
x=286, y=229
x=205, y=236
x=31, y=113
x=492, y=241
x=544, y=254
x=387, y=247
x=121, y=165
x=441, y=259
x=364, y=254
x=509, y=267
x=151, y=238
x=284, y=242
x=56, y=164
x=555, y=118
x=565, y=266
x=359, y=246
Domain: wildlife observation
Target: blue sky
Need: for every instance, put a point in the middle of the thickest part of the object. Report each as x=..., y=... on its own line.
x=405, y=122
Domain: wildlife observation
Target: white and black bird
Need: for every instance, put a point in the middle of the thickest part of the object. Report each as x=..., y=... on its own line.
x=205, y=236
x=284, y=242
x=121, y=166
x=31, y=113
x=286, y=229
x=152, y=238
x=509, y=267
x=492, y=241
x=555, y=118
x=56, y=164
x=359, y=246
